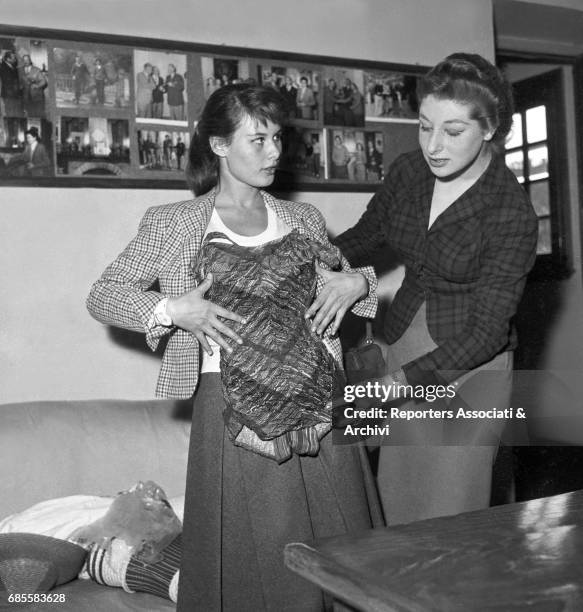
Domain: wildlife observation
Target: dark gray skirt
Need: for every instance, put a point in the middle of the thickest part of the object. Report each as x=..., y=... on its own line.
x=241, y=509
x=438, y=467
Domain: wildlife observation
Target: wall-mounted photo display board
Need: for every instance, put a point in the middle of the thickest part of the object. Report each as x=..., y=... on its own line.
x=82, y=109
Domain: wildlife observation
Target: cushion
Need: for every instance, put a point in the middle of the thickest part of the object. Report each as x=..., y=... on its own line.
x=61, y=516
x=58, y=517
x=31, y=563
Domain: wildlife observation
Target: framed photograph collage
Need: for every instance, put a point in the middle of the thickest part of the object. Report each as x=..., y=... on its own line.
x=84, y=109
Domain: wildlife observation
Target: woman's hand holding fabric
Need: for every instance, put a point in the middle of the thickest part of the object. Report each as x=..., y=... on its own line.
x=200, y=317
x=341, y=290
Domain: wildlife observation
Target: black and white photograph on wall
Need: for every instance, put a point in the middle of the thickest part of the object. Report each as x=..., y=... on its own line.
x=300, y=88
x=303, y=154
x=343, y=98
x=356, y=155
x=96, y=77
x=374, y=148
x=24, y=77
x=93, y=146
x=25, y=148
x=163, y=150
x=219, y=71
x=160, y=86
x=390, y=96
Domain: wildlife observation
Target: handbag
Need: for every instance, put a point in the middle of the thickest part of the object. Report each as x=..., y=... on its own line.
x=361, y=363
x=365, y=361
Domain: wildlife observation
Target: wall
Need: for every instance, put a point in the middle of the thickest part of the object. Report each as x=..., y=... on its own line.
x=409, y=31
x=55, y=242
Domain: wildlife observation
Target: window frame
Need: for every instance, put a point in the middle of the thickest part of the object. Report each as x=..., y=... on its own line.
x=548, y=89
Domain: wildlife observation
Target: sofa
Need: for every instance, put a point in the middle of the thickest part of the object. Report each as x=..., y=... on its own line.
x=56, y=449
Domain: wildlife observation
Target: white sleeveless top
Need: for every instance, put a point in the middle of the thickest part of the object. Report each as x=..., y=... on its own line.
x=276, y=228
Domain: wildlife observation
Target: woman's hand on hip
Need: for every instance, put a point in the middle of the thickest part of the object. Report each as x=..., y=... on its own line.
x=341, y=290
x=200, y=317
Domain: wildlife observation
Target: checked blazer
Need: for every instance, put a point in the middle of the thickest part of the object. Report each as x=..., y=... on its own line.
x=470, y=267
x=168, y=240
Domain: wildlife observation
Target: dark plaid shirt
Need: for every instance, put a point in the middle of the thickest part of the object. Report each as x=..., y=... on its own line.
x=470, y=267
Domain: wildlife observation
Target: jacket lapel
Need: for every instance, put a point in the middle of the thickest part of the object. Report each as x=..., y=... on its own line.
x=474, y=200
x=195, y=221
x=422, y=191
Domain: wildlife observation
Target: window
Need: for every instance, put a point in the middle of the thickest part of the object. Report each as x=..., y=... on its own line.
x=533, y=153
x=528, y=157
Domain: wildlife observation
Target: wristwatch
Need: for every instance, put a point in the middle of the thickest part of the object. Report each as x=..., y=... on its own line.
x=161, y=316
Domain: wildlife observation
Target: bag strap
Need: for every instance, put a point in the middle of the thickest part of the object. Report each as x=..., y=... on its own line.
x=369, y=337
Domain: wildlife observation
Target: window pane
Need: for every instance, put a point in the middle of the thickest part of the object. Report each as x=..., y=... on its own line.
x=515, y=137
x=539, y=196
x=515, y=162
x=544, y=246
x=538, y=163
x=536, y=124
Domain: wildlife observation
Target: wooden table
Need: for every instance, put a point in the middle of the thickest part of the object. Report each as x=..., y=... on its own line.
x=526, y=556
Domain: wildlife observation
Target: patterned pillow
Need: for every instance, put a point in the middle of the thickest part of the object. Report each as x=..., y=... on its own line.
x=33, y=563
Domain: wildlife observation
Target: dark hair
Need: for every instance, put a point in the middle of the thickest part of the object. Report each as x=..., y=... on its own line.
x=469, y=78
x=33, y=131
x=223, y=113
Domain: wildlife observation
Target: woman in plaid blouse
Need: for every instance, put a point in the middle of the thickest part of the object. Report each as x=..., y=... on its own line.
x=241, y=507
x=466, y=232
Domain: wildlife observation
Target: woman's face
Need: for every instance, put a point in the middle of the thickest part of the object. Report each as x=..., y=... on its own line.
x=452, y=142
x=252, y=156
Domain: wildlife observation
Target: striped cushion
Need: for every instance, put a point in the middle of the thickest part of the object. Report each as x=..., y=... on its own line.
x=115, y=566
